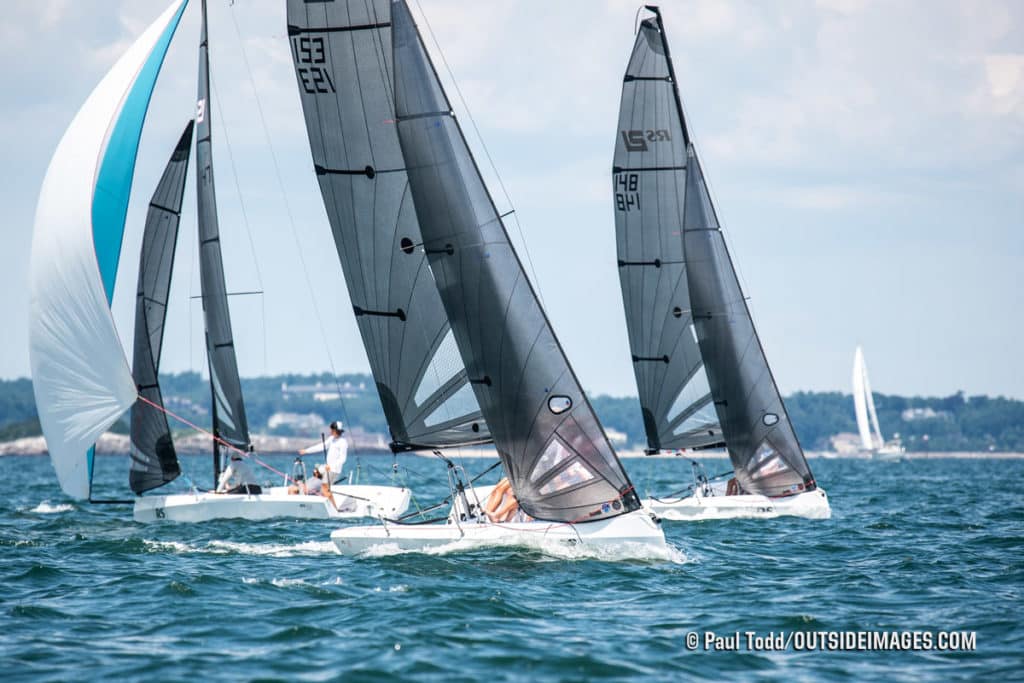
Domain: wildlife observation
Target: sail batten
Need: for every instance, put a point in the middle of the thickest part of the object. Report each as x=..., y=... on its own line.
x=153, y=458
x=81, y=378
x=229, y=424
x=699, y=323
x=343, y=65
x=554, y=450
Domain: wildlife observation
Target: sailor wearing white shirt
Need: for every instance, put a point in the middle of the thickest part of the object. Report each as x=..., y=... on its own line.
x=238, y=477
x=337, y=451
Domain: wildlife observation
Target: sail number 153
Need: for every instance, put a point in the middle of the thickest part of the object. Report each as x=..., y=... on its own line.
x=627, y=195
x=314, y=79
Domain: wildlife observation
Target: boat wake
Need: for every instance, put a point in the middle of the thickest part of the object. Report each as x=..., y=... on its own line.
x=550, y=550
x=305, y=549
x=45, y=508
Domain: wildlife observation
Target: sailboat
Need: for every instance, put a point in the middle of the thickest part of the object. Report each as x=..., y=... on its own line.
x=702, y=375
x=867, y=419
x=80, y=371
x=564, y=473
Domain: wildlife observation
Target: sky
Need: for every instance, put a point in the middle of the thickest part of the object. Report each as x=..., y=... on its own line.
x=866, y=160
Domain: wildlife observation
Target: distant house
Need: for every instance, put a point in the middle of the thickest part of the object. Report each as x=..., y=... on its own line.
x=298, y=423
x=616, y=437
x=321, y=392
x=912, y=414
x=181, y=404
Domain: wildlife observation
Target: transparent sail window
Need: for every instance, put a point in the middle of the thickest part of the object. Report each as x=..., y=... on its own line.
x=692, y=393
x=574, y=474
x=766, y=461
x=559, y=404
x=554, y=455
x=705, y=418
x=445, y=364
x=459, y=404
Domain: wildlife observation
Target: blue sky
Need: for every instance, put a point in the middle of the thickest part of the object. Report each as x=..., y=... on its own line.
x=866, y=158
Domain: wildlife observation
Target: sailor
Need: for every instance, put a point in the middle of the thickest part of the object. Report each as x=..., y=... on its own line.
x=336, y=447
x=314, y=486
x=238, y=477
x=501, y=504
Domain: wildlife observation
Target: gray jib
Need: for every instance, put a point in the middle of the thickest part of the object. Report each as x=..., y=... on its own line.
x=153, y=459
x=649, y=186
x=229, y=410
x=342, y=56
x=762, y=445
x=552, y=446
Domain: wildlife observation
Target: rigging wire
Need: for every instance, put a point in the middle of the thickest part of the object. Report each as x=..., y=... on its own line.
x=291, y=218
x=245, y=216
x=487, y=152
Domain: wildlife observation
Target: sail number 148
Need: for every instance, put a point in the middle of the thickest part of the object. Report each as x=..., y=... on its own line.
x=627, y=196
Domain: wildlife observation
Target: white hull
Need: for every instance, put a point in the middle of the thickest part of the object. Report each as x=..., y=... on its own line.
x=353, y=501
x=635, y=532
x=697, y=507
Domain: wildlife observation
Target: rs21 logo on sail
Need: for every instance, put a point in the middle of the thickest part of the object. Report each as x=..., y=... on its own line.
x=636, y=140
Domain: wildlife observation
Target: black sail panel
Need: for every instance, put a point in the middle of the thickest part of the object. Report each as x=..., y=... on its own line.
x=649, y=186
x=553, y=448
x=342, y=55
x=153, y=459
x=763, y=447
x=228, y=408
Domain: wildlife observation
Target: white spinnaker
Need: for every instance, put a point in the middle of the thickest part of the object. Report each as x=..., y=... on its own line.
x=80, y=375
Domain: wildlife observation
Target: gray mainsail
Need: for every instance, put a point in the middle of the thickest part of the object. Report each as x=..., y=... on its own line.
x=342, y=56
x=765, y=453
x=649, y=178
x=153, y=460
x=554, y=450
x=229, y=422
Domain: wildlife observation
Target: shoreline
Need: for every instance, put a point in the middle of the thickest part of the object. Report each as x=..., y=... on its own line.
x=374, y=445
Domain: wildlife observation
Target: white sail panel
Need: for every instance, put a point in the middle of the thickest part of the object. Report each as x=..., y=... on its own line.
x=860, y=398
x=80, y=375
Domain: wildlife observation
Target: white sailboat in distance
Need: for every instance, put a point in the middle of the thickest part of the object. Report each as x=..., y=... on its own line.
x=867, y=419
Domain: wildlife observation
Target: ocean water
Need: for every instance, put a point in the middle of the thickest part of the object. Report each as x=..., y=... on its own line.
x=919, y=546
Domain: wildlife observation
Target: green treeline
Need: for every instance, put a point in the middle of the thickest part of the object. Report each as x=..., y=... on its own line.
x=952, y=423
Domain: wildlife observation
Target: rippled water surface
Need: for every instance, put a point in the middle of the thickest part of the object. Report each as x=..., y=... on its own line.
x=922, y=546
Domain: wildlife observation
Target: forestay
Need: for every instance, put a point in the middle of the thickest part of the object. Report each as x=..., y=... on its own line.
x=153, y=460
x=556, y=455
x=229, y=421
x=342, y=55
x=762, y=445
x=649, y=188
x=80, y=375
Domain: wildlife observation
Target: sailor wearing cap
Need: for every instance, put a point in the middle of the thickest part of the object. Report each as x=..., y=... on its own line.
x=336, y=447
x=238, y=477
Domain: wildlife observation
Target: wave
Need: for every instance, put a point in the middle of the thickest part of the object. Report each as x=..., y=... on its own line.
x=307, y=548
x=623, y=552
x=45, y=508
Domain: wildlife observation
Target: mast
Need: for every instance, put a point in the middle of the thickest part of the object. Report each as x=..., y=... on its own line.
x=554, y=450
x=762, y=444
x=153, y=459
x=343, y=66
x=227, y=406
